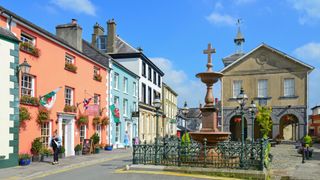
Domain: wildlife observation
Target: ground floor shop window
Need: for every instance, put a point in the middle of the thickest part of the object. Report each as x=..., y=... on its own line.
x=82, y=133
x=45, y=134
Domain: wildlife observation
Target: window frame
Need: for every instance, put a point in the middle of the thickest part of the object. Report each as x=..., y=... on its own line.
x=234, y=88
x=32, y=85
x=144, y=69
x=155, y=77
x=95, y=97
x=125, y=107
x=71, y=99
x=287, y=90
x=69, y=59
x=149, y=73
x=116, y=81
x=82, y=136
x=45, y=134
x=125, y=84
x=26, y=38
x=144, y=93
x=134, y=89
x=262, y=91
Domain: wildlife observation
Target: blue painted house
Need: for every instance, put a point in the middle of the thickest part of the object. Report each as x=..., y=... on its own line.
x=9, y=108
x=124, y=95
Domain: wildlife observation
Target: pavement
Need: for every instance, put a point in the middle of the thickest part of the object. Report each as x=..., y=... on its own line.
x=41, y=169
x=287, y=163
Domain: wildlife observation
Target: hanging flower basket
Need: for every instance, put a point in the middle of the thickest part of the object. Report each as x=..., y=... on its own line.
x=96, y=120
x=43, y=115
x=24, y=115
x=105, y=121
x=82, y=120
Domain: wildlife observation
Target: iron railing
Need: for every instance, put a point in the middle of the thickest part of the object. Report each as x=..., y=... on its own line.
x=173, y=152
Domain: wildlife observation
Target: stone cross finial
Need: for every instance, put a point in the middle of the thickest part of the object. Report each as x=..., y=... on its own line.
x=209, y=51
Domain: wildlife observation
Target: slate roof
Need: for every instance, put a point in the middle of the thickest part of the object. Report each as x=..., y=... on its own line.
x=193, y=119
x=7, y=34
x=230, y=59
x=45, y=32
x=95, y=54
x=123, y=47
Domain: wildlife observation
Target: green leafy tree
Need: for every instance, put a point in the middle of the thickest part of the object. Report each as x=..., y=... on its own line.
x=264, y=120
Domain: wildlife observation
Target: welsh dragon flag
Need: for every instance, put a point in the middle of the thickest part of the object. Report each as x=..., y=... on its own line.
x=115, y=113
x=48, y=100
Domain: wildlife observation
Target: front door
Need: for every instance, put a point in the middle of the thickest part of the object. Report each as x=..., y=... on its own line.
x=67, y=137
x=129, y=131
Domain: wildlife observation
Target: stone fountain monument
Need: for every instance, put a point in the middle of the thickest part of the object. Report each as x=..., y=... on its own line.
x=209, y=128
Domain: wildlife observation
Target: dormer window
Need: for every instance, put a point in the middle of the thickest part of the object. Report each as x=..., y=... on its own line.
x=101, y=42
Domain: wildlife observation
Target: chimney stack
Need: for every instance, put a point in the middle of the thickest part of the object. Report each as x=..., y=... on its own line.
x=71, y=33
x=97, y=31
x=111, y=27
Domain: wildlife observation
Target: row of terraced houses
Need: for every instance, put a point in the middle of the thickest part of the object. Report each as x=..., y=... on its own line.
x=105, y=86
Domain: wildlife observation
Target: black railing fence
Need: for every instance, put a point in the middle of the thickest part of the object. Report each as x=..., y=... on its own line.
x=173, y=152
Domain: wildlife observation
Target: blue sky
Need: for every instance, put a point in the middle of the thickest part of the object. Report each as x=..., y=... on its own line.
x=174, y=33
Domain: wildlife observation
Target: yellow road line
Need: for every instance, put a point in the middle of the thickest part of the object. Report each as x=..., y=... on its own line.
x=175, y=174
x=76, y=167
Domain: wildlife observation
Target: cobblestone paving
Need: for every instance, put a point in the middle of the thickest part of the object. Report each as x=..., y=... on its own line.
x=287, y=163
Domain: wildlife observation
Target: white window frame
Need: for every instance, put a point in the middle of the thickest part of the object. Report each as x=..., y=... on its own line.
x=134, y=89
x=82, y=131
x=116, y=100
x=262, y=88
x=98, y=130
x=69, y=59
x=117, y=135
x=30, y=84
x=96, y=99
x=96, y=70
x=45, y=134
x=125, y=84
x=101, y=42
x=68, y=98
x=116, y=81
x=27, y=39
x=288, y=87
x=125, y=107
x=236, y=87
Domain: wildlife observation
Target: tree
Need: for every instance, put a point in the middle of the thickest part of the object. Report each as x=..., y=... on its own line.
x=264, y=120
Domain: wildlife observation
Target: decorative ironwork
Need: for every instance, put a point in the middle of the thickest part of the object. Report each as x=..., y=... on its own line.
x=171, y=152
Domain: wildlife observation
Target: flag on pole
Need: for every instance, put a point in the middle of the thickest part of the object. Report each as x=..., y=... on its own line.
x=115, y=113
x=86, y=103
x=48, y=100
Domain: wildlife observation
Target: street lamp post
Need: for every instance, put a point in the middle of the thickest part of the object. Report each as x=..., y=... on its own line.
x=185, y=111
x=242, y=98
x=252, y=109
x=157, y=105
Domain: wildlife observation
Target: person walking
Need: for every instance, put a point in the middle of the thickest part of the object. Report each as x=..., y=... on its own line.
x=56, y=145
x=126, y=140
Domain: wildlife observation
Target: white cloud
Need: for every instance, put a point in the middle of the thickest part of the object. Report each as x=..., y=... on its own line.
x=309, y=9
x=78, y=6
x=218, y=5
x=244, y=1
x=310, y=52
x=192, y=91
x=221, y=19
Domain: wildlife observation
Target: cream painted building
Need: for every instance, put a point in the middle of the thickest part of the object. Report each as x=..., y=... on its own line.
x=269, y=77
x=168, y=125
x=9, y=108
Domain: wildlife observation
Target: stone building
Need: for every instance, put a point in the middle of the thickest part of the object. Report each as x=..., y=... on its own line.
x=168, y=125
x=9, y=111
x=270, y=78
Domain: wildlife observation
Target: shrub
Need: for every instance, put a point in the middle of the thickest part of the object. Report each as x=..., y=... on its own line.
x=95, y=138
x=308, y=140
x=264, y=120
x=24, y=156
x=36, y=146
x=24, y=114
x=78, y=147
x=62, y=150
x=46, y=152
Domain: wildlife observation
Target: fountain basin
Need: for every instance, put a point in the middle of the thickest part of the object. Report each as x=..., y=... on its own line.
x=212, y=137
x=209, y=77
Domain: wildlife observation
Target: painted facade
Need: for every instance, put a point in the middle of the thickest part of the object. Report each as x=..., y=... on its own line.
x=48, y=57
x=170, y=109
x=124, y=95
x=314, y=122
x=135, y=60
x=272, y=78
x=9, y=109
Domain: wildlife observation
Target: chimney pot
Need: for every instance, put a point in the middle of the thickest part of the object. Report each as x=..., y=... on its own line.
x=73, y=21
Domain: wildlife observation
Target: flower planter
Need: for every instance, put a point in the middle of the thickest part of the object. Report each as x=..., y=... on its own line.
x=24, y=162
x=36, y=158
x=97, y=150
x=78, y=153
x=108, y=148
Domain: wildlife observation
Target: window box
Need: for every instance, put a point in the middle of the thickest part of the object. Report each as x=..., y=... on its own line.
x=82, y=120
x=97, y=77
x=43, y=115
x=28, y=100
x=29, y=48
x=70, y=67
x=68, y=108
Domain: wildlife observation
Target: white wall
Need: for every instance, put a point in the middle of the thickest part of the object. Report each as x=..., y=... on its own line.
x=5, y=109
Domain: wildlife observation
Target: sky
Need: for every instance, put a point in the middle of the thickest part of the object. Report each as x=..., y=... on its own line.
x=174, y=34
